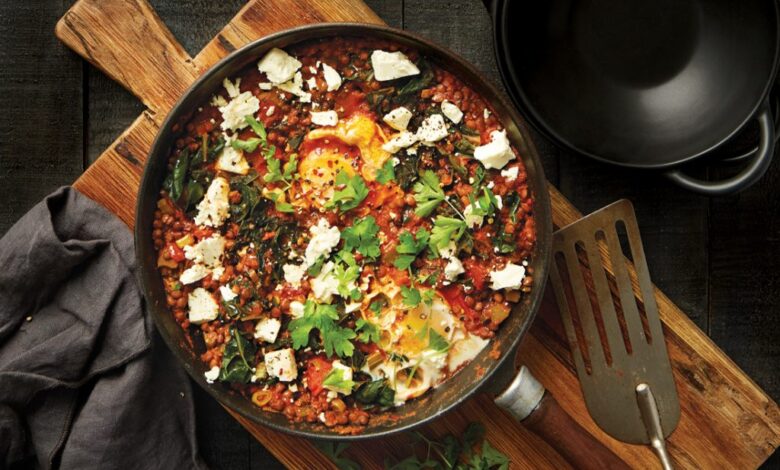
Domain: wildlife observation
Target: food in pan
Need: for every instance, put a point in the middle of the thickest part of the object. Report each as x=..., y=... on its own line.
x=343, y=226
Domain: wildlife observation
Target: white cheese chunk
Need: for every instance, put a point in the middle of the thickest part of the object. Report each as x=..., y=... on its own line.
x=293, y=273
x=214, y=208
x=233, y=161
x=432, y=129
x=217, y=272
x=227, y=293
x=325, y=285
x=392, y=65
x=510, y=173
x=324, y=118
x=332, y=77
x=278, y=66
x=207, y=251
x=267, y=329
x=499, y=203
x=265, y=86
x=324, y=239
x=511, y=277
x=296, y=309
x=453, y=268
x=233, y=113
x=452, y=112
x=472, y=220
x=232, y=89
x=497, y=153
x=193, y=274
x=281, y=364
x=398, y=118
x=295, y=86
x=312, y=82
x=346, y=375
x=212, y=374
x=202, y=306
x=399, y=141
x=270, y=110
x=218, y=101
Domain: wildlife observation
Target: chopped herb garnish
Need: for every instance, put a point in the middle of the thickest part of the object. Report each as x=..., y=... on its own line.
x=353, y=192
x=386, y=173
x=362, y=236
x=249, y=145
x=336, y=379
x=446, y=230
x=322, y=317
x=411, y=296
x=409, y=247
x=368, y=332
x=428, y=193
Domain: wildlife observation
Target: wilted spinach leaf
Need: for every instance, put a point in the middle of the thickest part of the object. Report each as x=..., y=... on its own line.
x=237, y=359
x=376, y=393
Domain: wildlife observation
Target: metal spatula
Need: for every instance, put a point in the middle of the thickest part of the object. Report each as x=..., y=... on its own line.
x=614, y=332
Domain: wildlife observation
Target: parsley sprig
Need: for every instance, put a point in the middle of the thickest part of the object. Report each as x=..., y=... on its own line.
x=336, y=379
x=446, y=230
x=324, y=318
x=428, y=193
x=387, y=173
x=346, y=273
x=369, y=332
x=362, y=236
x=353, y=191
x=409, y=246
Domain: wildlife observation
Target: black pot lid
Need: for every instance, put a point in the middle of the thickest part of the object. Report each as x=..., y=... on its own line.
x=634, y=82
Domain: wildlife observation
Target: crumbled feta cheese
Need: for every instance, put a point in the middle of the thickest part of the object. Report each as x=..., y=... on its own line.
x=399, y=141
x=293, y=273
x=295, y=86
x=217, y=272
x=432, y=129
x=332, y=77
x=281, y=364
x=511, y=277
x=392, y=65
x=346, y=374
x=412, y=150
x=232, y=89
x=312, y=69
x=472, y=220
x=227, y=293
x=510, y=173
x=497, y=153
x=486, y=113
x=296, y=309
x=207, y=251
x=321, y=417
x=398, y=118
x=233, y=161
x=233, y=113
x=212, y=374
x=214, y=208
x=452, y=112
x=202, y=306
x=270, y=110
x=278, y=66
x=218, y=101
x=267, y=329
x=193, y=274
x=499, y=203
x=265, y=86
x=352, y=307
x=325, y=285
x=324, y=239
x=453, y=268
x=324, y=118
x=395, y=161
x=312, y=82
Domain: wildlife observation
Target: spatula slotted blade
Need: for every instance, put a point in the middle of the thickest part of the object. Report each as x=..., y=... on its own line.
x=611, y=321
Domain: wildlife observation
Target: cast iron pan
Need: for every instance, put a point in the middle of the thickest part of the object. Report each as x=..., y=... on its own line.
x=453, y=391
x=643, y=84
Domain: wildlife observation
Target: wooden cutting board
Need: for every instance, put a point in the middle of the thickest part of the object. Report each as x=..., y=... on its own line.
x=727, y=421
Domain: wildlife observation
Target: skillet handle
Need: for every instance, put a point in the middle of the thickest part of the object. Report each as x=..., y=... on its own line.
x=752, y=173
x=527, y=400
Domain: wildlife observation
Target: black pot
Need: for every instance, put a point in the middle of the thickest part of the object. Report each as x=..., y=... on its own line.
x=643, y=84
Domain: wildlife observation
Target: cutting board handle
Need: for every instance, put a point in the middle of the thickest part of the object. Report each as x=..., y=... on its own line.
x=107, y=34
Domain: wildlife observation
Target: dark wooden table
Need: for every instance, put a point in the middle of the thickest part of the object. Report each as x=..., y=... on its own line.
x=718, y=259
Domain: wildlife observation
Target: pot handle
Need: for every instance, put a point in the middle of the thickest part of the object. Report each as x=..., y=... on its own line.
x=752, y=173
x=527, y=400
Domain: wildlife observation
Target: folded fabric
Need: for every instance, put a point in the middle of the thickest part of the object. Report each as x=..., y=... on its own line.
x=85, y=381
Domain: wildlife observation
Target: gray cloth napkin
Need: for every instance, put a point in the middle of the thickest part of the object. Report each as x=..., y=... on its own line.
x=85, y=381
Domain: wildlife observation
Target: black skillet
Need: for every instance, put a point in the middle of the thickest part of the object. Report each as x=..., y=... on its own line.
x=519, y=393
x=643, y=84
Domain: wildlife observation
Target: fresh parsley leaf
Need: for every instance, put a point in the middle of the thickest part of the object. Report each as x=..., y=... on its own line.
x=369, y=332
x=249, y=145
x=237, y=359
x=256, y=126
x=436, y=341
x=322, y=317
x=335, y=379
x=362, y=236
x=315, y=268
x=445, y=231
x=353, y=192
x=427, y=296
x=410, y=246
x=485, y=204
x=493, y=458
x=281, y=206
x=428, y=193
x=411, y=296
x=333, y=451
x=346, y=274
x=277, y=173
x=386, y=173
x=377, y=305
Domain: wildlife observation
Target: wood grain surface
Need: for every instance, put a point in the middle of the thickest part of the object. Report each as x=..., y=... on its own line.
x=726, y=417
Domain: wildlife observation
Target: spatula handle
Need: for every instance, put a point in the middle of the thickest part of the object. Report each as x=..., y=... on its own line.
x=527, y=400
